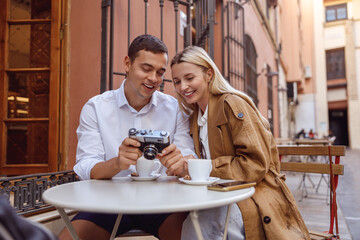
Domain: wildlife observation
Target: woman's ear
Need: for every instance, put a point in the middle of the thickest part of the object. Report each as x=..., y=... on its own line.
x=209, y=75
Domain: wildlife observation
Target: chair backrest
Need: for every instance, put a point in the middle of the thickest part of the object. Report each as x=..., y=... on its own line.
x=307, y=141
x=323, y=168
x=311, y=150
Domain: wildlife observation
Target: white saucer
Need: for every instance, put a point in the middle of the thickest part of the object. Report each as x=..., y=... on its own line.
x=167, y=178
x=210, y=180
x=121, y=178
x=149, y=178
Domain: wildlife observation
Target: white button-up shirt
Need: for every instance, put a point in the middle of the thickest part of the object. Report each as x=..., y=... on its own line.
x=203, y=134
x=105, y=121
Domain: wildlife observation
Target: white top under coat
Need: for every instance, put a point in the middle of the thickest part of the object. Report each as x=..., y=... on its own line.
x=203, y=134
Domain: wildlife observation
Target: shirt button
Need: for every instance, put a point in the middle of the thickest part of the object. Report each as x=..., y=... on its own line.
x=240, y=115
x=267, y=219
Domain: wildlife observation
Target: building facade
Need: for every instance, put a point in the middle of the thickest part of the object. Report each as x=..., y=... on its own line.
x=328, y=92
x=319, y=60
x=337, y=60
x=55, y=55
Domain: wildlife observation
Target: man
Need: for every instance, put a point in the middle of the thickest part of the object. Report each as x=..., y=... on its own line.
x=300, y=134
x=104, y=149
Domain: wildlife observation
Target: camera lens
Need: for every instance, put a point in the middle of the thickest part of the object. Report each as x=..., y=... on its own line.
x=150, y=152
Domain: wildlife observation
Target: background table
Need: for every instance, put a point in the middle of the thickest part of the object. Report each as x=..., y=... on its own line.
x=136, y=197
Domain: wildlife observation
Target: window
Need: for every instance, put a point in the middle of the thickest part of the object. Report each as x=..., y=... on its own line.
x=336, y=12
x=29, y=59
x=251, y=74
x=335, y=64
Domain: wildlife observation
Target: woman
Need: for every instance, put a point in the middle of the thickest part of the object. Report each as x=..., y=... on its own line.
x=228, y=128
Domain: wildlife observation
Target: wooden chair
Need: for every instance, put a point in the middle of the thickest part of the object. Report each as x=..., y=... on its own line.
x=284, y=141
x=307, y=141
x=334, y=169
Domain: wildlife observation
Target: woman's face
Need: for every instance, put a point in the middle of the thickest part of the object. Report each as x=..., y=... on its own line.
x=192, y=83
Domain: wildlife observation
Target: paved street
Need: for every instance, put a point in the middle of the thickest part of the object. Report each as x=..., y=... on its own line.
x=349, y=192
x=314, y=209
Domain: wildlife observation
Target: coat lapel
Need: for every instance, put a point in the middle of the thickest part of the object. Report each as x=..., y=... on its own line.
x=216, y=119
x=216, y=110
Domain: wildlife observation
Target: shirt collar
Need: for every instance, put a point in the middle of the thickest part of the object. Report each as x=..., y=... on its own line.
x=202, y=118
x=122, y=101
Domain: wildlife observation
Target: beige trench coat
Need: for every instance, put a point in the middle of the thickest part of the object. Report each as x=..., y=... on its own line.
x=243, y=149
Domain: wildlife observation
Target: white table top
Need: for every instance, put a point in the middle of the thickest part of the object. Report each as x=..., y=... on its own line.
x=136, y=197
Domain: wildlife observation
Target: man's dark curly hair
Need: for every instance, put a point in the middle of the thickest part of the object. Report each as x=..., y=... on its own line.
x=148, y=43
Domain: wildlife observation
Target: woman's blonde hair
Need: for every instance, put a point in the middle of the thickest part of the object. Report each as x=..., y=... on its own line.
x=217, y=85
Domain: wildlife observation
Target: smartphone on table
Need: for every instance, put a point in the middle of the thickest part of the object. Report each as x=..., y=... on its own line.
x=229, y=186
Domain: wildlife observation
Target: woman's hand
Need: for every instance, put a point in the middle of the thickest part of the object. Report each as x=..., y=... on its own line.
x=174, y=161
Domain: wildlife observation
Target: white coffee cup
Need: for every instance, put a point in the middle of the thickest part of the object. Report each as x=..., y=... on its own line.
x=199, y=169
x=146, y=168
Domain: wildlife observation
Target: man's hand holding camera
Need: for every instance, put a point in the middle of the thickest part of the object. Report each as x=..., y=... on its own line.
x=129, y=152
x=150, y=143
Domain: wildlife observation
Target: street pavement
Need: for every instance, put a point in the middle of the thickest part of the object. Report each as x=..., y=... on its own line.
x=315, y=208
x=349, y=191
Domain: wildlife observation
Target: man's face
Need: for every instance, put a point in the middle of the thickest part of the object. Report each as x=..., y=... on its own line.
x=144, y=74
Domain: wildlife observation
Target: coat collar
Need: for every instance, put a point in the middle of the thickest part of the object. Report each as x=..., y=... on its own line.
x=215, y=109
x=216, y=117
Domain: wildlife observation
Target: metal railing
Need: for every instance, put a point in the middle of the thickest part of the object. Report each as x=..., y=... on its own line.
x=25, y=192
x=202, y=21
x=108, y=61
x=233, y=37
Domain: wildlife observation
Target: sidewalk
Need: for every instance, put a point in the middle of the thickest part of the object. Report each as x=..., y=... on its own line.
x=315, y=208
x=316, y=213
x=349, y=191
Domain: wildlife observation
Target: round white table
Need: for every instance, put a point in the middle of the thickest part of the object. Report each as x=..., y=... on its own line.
x=124, y=196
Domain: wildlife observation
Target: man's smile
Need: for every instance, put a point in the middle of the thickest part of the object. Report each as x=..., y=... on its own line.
x=148, y=86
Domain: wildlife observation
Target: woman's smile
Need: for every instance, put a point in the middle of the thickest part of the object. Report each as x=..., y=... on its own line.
x=188, y=94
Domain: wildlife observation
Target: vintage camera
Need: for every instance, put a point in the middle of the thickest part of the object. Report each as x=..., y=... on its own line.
x=152, y=141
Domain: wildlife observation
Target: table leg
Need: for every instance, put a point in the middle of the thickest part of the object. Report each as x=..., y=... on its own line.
x=302, y=187
x=116, y=226
x=68, y=224
x=194, y=218
x=227, y=222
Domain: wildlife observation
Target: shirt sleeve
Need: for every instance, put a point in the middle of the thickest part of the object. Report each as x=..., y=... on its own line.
x=90, y=148
x=182, y=138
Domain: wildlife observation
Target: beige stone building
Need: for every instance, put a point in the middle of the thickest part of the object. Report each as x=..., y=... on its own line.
x=337, y=69
x=320, y=62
